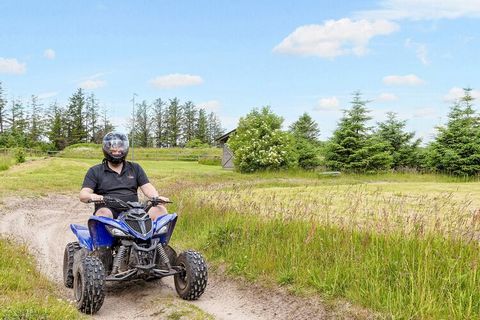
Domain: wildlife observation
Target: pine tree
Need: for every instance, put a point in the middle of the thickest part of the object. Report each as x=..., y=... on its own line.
x=92, y=115
x=56, y=131
x=190, y=118
x=305, y=128
x=3, y=110
x=36, y=120
x=76, y=129
x=174, y=120
x=456, y=148
x=352, y=147
x=202, y=126
x=402, y=145
x=142, y=126
x=159, y=123
x=215, y=129
x=105, y=127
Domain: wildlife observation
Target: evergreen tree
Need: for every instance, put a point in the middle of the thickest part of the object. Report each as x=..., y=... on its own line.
x=352, y=147
x=76, y=129
x=215, y=129
x=174, y=120
x=36, y=120
x=105, y=127
x=189, y=121
x=456, y=148
x=3, y=110
x=16, y=134
x=92, y=116
x=202, y=126
x=159, y=123
x=402, y=146
x=142, y=126
x=56, y=131
x=305, y=128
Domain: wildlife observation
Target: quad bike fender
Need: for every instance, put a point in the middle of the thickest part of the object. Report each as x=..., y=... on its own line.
x=83, y=236
x=171, y=220
x=100, y=237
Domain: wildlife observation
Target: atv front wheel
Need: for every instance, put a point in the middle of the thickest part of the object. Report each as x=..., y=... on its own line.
x=89, y=285
x=191, y=283
x=70, y=250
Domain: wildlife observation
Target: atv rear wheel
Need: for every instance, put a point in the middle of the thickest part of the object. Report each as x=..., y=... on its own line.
x=191, y=283
x=89, y=285
x=70, y=250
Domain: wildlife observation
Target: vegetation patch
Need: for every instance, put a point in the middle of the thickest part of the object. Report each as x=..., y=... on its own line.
x=24, y=292
x=405, y=277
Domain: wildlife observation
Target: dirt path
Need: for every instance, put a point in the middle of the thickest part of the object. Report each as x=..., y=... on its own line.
x=43, y=223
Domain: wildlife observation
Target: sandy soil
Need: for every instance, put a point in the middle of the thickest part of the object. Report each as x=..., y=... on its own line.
x=43, y=223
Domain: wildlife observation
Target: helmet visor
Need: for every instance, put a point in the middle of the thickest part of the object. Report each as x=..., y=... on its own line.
x=116, y=145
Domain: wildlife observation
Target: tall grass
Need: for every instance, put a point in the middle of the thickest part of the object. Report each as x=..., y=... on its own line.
x=6, y=160
x=410, y=273
x=24, y=292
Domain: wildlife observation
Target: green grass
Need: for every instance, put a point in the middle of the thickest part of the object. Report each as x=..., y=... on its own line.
x=6, y=161
x=24, y=292
x=404, y=245
x=404, y=277
x=94, y=151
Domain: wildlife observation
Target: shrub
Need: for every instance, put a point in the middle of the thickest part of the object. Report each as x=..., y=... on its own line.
x=20, y=155
x=259, y=144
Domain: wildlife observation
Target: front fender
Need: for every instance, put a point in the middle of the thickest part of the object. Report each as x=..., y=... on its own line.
x=163, y=220
x=99, y=234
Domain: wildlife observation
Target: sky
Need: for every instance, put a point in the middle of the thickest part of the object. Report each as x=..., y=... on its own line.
x=409, y=57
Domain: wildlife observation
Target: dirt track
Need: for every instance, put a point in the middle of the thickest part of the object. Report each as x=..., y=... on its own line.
x=43, y=223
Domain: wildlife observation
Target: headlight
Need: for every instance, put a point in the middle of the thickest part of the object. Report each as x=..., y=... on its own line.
x=162, y=230
x=116, y=232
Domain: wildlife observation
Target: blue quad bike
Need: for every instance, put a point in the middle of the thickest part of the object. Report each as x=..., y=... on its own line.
x=130, y=247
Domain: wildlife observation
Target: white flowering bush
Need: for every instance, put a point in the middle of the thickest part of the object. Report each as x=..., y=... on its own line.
x=260, y=144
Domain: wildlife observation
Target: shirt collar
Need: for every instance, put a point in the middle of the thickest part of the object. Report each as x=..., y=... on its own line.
x=107, y=168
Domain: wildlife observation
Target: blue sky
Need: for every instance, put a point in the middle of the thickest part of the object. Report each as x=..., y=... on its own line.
x=411, y=57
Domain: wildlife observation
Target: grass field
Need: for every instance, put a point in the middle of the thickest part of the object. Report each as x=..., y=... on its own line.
x=94, y=151
x=400, y=244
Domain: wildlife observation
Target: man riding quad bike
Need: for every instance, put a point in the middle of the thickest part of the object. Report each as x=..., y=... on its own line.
x=131, y=242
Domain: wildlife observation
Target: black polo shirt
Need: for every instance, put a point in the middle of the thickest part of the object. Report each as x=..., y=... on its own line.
x=104, y=181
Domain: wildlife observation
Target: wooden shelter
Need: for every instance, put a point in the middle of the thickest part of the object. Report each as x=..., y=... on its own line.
x=227, y=156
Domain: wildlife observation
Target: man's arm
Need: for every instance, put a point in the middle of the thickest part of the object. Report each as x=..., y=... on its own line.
x=87, y=194
x=150, y=192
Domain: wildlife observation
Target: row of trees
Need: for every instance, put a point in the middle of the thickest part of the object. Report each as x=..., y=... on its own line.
x=81, y=120
x=172, y=124
x=259, y=142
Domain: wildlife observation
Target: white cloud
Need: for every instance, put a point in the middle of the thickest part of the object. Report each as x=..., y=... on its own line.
x=420, y=50
x=425, y=113
x=46, y=95
x=407, y=80
x=328, y=104
x=422, y=10
x=229, y=122
x=456, y=93
x=49, y=54
x=176, y=80
x=12, y=66
x=212, y=105
x=92, y=84
x=386, y=97
x=334, y=38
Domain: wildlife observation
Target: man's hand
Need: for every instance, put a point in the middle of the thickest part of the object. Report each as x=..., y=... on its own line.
x=163, y=199
x=95, y=197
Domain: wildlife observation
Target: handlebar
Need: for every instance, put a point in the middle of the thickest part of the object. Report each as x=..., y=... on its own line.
x=120, y=204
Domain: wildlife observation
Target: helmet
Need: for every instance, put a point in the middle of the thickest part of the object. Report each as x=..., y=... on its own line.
x=115, y=147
